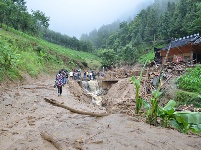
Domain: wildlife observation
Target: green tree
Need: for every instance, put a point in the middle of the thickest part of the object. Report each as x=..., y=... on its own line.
x=40, y=20
x=108, y=56
x=3, y=9
x=196, y=23
x=129, y=54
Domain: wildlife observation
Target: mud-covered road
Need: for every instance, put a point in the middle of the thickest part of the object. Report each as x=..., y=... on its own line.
x=28, y=122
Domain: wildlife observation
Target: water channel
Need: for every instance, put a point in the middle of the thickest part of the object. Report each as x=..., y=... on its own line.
x=96, y=89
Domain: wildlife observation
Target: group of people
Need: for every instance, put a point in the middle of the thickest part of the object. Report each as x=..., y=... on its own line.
x=90, y=75
x=75, y=74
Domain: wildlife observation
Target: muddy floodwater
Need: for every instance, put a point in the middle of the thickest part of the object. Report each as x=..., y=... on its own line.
x=28, y=122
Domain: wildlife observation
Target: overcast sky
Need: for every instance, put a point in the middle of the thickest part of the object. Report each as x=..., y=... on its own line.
x=75, y=17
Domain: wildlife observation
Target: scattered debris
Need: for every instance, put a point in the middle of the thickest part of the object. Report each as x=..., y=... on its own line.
x=56, y=103
x=150, y=81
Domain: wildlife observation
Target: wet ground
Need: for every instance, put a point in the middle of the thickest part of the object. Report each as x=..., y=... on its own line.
x=27, y=122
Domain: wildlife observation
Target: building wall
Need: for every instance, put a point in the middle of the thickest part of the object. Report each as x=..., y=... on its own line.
x=178, y=53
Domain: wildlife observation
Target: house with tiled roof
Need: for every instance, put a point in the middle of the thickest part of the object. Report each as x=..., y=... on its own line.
x=183, y=49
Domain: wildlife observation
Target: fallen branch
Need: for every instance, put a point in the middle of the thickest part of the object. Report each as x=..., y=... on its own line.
x=56, y=103
x=58, y=144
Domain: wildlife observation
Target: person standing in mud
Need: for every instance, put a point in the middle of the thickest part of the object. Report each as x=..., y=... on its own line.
x=98, y=74
x=84, y=75
x=71, y=74
x=59, y=82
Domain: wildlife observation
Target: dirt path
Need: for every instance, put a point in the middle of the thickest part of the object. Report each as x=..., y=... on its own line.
x=27, y=122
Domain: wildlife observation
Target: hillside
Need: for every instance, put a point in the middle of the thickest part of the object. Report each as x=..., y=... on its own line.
x=21, y=53
x=29, y=122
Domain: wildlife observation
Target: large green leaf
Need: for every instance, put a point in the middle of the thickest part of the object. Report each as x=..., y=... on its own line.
x=189, y=121
x=156, y=94
x=189, y=117
x=169, y=107
x=135, y=81
x=176, y=125
x=196, y=128
x=146, y=104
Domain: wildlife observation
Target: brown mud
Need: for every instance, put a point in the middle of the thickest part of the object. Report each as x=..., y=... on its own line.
x=28, y=122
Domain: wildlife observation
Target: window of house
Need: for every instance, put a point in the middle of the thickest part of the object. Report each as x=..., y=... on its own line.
x=170, y=59
x=186, y=57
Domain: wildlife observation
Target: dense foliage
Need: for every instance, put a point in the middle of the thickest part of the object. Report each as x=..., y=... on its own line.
x=66, y=41
x=98, y=37
x=108, y=56
x=14, y=13
x=188, y=98
x=152, y=27
x=191, y=80
x=183, y=121
x=127, y=41
x=189, y=86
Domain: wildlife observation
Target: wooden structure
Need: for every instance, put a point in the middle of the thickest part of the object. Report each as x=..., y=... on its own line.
x=157, y=57
x=183, y=49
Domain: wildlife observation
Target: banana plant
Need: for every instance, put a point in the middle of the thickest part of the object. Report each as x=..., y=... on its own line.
x=166, y=113
x=183, y=121
x=138, y=99
x=152, y=109
x=186, y=121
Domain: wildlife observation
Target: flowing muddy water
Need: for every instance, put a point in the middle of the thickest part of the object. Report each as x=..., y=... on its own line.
x=93, y=88
x=27, y=122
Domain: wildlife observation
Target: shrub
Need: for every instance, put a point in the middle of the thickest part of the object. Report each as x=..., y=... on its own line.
x=146, y=58
x=30, y=63
x=191, y=80
x=9, y=56
x=183, y=97
x=85, y=64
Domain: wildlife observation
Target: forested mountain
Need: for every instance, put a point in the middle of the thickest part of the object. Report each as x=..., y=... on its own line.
x=125, y=41
x=66, y=41
x=154, y=26
x=98, y=37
